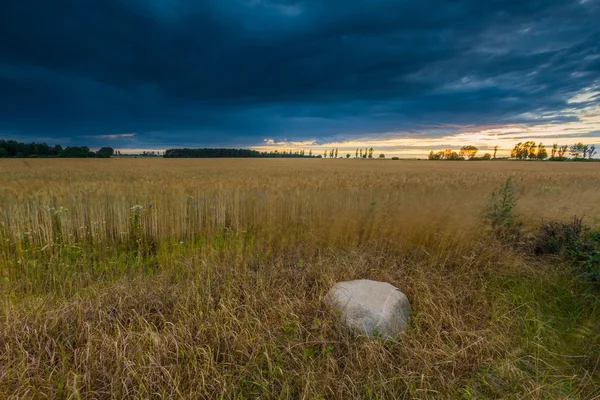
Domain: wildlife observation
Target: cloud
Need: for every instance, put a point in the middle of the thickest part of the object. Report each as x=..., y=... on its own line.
x=588, y=95
x=233, y=72
x=114, y=136
x=288, y=143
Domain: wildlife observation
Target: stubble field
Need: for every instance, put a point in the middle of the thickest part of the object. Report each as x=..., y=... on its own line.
x=162, y=278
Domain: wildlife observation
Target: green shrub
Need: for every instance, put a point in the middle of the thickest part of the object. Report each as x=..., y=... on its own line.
x=559, y=237
x=500, y=212
x=572, y=240
x=589, y=256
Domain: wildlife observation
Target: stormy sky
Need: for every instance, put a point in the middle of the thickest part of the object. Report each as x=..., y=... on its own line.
x=402, y=75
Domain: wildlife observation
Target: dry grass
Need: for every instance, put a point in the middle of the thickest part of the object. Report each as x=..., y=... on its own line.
x=214, y=291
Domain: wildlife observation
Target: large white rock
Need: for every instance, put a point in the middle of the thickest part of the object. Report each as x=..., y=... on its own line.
x=371, y=307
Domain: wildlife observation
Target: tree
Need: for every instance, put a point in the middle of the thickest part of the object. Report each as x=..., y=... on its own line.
x=361, y=154
x=331, y=153
x=468, y=152
x=371, y=152
x=356, y=155
x=577, y=149
x=336, y=153
x=524, y=151
x=554, y=150
x=325, y=154
x=77, y=152
x=530, y=148
x=348, y=155
x=382, y=156
x=3, y=152
x=561, y=152
x=224, y=152
x=514, y=153
x=447, y=154
x=310, y=153
x=591, y=152
x=541, y=153
x=454, y=156
x=106, y=152
x=495, y=150
x=520, y=151
x=12, y=148
x=486, y=156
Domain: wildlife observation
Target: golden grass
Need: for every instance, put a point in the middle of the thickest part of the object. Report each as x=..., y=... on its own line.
x=214, y=289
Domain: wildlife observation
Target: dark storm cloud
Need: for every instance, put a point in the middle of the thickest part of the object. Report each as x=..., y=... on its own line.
x=182, y=72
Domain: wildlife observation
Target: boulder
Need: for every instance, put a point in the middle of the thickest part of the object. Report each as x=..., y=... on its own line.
x=377, y=309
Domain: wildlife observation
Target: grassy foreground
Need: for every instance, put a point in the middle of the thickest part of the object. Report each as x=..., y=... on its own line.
x=204, y=279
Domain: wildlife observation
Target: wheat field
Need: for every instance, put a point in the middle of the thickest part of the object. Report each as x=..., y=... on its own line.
x=166, y=278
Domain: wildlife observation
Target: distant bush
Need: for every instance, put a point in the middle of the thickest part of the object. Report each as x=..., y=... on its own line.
x=485, y=157
x=240, y=153
x=77, y=152
x=395, y=158
x=105, y=152
x=12, y=148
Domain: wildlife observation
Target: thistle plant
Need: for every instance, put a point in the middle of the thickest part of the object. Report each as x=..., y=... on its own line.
x=500, y=213
x=135, y=227
x=55, y=213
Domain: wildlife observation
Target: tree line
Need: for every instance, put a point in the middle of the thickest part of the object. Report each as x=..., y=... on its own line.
x=234, y=153
x=465, y=153
x=14, y=149
x=247, y=153
x=360, y=153
x=529, y=150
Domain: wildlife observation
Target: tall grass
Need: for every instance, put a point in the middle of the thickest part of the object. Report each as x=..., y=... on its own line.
x=212, y=287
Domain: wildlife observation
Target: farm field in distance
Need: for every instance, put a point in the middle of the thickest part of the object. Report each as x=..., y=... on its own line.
x=204, y=278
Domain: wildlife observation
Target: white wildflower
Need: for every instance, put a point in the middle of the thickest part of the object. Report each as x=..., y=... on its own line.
x=56, y=210
x=137, y=208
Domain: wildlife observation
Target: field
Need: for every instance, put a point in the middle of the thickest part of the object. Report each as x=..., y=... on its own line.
x=162, y=278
